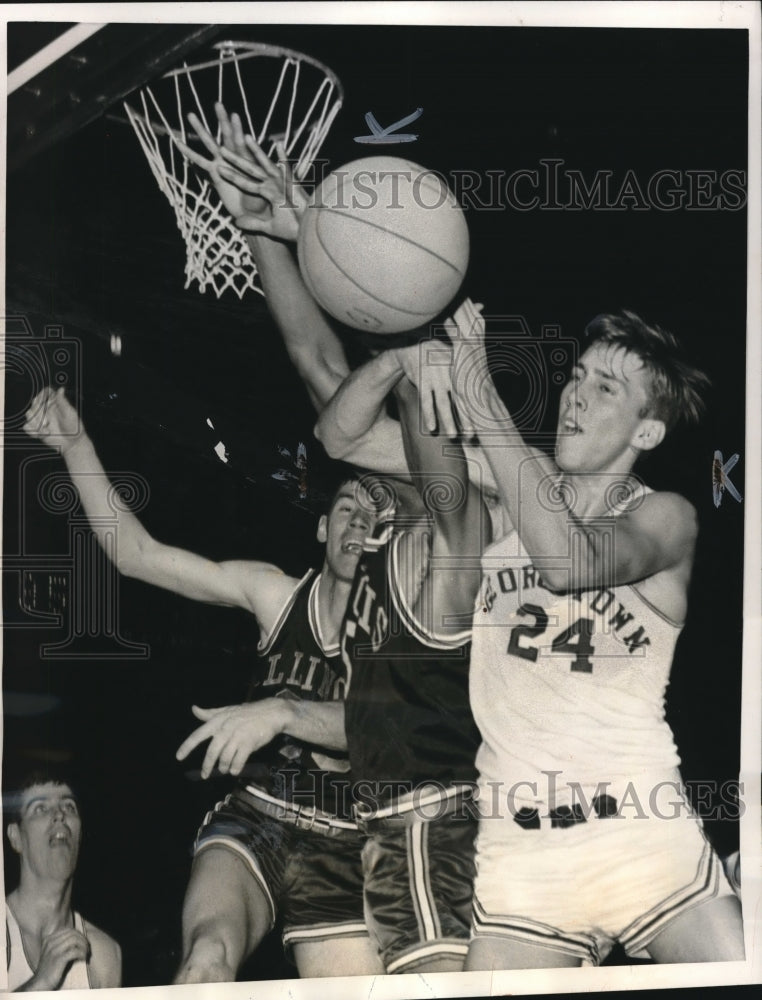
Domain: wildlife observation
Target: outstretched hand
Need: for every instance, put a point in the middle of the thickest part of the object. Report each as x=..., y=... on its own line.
x=236, y=732
x=449, y=376
x=260, y=196
x=52, y=419
x=235, y=201
x=427, y=366
x=256, y=174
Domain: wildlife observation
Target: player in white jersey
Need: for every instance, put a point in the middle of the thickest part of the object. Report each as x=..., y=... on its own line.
x=252, y=190
x=586, y=837
x=49, y=946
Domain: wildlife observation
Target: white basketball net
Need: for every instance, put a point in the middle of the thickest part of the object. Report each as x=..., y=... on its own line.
x=306, y=97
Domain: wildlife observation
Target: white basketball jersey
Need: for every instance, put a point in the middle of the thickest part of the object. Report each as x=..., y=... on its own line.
x=567, y=683
x=19, y=969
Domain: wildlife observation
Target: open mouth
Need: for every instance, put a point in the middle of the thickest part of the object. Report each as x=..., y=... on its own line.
x=352, y=547
x=571, y=426
x=59, y=838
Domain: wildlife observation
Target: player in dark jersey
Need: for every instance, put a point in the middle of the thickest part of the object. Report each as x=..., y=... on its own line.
x=405, y=640
x=410, y=734
x=279, y=841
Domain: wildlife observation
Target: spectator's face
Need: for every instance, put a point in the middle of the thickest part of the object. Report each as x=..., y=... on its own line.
x=49, y=831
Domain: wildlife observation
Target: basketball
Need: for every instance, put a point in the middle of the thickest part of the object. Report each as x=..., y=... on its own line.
x=383, y=246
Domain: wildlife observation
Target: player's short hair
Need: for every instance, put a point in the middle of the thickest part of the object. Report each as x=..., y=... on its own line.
x=47, y=775
x=676, y=386
x=375, y=487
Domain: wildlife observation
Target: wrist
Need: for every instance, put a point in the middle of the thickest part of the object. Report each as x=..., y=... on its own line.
x=76, y=445
x=285, y=715
x=38, y=983
x=404, y=389
x=258, y=242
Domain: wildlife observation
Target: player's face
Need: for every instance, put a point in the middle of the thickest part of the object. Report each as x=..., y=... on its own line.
x=601, y=423
x=350, y=521
x=49, y=830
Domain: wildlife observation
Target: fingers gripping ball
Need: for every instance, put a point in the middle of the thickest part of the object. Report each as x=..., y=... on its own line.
x=384, y=245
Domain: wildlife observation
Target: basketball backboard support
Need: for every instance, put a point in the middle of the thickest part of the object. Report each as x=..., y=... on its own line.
x=63, y=76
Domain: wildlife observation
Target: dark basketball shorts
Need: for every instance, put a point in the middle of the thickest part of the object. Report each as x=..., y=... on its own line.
x=418, y=889
x=311, y=878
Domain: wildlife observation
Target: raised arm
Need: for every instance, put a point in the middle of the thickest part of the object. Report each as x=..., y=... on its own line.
x=318, y=356
x=352, y=424
x=438, y=468
x=311, y=343
x=460, y=525
x=256, y=587
x=266, y=203
x=655, y=536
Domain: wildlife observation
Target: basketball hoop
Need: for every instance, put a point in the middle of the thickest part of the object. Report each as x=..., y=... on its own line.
x=306, y=97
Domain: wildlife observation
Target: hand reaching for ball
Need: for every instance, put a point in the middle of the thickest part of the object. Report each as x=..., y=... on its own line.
x=260, y=195
x=448, y=374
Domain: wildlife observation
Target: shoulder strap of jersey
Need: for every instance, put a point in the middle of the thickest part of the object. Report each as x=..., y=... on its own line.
x=405, y=611
x=79, y=971
x=313, y=613
x=627, y=496
x=283, y=614
x=14, y=938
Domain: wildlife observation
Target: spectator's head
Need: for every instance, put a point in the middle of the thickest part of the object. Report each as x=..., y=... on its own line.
x=44, y=828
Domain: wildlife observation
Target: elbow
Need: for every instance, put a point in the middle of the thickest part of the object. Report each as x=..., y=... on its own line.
x=128, y=565
x=336, y=446
x=133, y=555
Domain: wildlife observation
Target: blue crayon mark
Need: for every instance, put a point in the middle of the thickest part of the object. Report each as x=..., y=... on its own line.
x=380, y=135
x=721, y=479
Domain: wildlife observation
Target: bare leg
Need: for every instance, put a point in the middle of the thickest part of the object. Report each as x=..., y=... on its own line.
x=502, y=953
x=711, y=932
x=341, y=957
x=225, y=915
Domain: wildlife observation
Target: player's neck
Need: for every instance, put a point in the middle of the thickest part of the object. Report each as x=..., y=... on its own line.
x=42, y=906
x=594, y=494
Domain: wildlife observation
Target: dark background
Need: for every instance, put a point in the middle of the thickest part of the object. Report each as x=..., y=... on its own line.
x=92, y=247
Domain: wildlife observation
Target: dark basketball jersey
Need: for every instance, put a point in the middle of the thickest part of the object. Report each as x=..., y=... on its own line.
x=408, y=718
x=294, y=662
